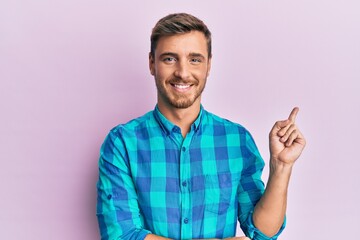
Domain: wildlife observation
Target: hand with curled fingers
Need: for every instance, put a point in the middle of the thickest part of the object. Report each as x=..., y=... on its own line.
x=286, y=141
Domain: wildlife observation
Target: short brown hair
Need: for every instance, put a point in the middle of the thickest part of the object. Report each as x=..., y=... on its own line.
x=178, y=23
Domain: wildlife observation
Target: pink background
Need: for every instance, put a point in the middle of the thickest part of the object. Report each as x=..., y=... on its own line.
x=71, y=70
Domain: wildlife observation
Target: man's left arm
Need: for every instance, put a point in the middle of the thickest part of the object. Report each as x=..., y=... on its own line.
x=286, y=145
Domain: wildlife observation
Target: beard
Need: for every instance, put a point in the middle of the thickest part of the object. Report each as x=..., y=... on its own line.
x=178, y=99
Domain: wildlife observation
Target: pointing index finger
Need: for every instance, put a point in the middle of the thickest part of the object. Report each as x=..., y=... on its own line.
x=293, y=114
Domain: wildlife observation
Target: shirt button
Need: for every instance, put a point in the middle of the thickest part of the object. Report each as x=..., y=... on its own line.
x=184, y=183
x=109, y=196
x=183, y=149
x=186, y=221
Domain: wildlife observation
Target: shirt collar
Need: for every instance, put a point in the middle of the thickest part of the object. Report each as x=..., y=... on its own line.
x=169, y=127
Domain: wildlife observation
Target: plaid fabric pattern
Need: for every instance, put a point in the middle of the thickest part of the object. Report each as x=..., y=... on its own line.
x=152, y=180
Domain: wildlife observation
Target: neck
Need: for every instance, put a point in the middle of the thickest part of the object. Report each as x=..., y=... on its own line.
x=181, y=117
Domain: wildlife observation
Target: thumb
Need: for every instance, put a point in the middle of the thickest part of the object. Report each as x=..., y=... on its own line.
x=277, y=126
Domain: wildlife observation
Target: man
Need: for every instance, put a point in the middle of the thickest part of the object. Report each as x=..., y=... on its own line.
x=181, y=172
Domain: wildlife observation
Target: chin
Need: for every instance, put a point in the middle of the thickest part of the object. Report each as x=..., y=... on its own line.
x=182, y=104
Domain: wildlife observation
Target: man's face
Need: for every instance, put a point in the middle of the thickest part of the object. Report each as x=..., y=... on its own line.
x=180, y=66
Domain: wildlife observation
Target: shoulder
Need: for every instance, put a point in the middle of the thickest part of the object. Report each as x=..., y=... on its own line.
x=131, y=127
x=218, y=122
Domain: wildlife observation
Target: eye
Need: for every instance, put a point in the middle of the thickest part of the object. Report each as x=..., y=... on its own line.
x=169, y=59
x=195, y=60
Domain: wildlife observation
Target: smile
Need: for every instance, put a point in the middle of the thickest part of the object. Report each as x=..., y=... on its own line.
x=181, y=87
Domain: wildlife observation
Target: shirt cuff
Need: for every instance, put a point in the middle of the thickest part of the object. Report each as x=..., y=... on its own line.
x=143, y=233
x=255, y=234
x=137, y=234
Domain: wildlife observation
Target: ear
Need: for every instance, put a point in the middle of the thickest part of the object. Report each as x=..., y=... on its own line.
x=151, y=64
x=208, y=67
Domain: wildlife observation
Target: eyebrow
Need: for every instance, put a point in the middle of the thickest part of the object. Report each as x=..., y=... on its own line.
x=175, y=55
x=169, y=54
x=196, y=55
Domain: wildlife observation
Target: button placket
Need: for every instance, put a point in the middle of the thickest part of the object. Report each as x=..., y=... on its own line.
x=185, y=175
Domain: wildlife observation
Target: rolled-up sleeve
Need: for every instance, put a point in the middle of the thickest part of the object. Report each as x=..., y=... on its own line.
x=117, y=204
x=251, y=189
x=255, y=234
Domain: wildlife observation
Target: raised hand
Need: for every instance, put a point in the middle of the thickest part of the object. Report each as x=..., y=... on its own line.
x=286, y=141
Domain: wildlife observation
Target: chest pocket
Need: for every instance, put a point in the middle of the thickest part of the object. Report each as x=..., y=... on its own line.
x=220, y=192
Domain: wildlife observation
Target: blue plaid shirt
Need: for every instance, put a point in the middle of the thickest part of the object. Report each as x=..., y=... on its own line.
x=152, y=180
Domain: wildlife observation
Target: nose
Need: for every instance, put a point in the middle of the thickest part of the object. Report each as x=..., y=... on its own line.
x=182, y=70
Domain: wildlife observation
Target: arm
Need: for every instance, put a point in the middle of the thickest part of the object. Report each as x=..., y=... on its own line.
x=155, y=237
x=286, y=145
x=117, y=204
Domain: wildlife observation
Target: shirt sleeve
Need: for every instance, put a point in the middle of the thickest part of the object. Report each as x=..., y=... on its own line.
x=117, y=204
x=251, y=189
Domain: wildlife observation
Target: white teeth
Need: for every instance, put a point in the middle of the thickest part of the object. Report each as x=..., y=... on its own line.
x=181, y=86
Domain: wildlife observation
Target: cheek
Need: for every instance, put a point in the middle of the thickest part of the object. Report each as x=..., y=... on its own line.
x=201, y=73
x=162, y=73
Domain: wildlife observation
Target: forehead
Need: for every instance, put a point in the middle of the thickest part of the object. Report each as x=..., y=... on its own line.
x=184, y=43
